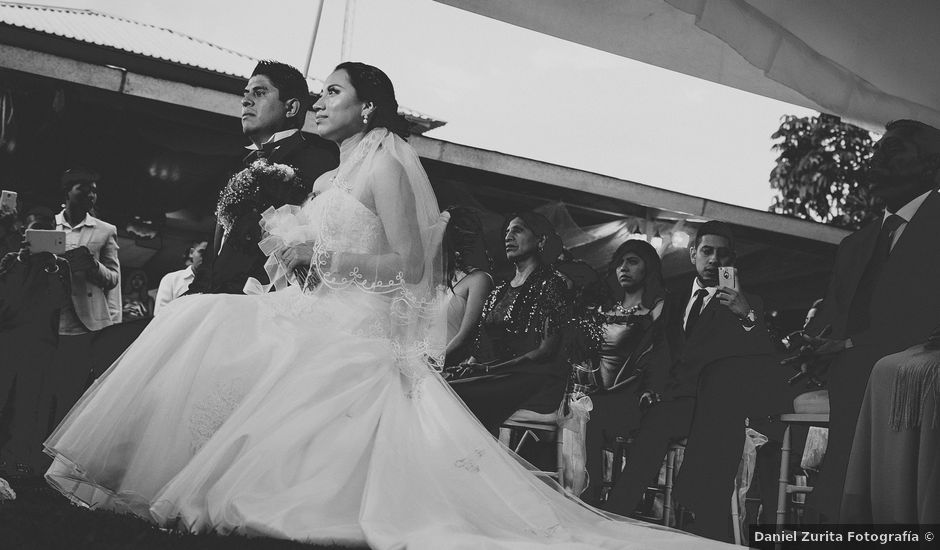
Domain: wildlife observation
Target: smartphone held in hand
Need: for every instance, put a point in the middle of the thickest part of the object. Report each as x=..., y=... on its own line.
x=728, y=277
x=7, y=201
x=46, y=240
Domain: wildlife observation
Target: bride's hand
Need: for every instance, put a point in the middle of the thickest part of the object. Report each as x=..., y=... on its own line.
x=297, y=256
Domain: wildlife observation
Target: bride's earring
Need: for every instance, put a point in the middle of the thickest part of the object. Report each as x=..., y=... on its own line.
x=365, y=119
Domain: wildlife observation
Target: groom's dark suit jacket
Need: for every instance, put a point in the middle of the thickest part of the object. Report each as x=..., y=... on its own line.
x=227, y=267
x=904, y=309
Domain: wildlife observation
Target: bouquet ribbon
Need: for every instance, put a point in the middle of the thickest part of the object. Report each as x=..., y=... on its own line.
x=283, y=228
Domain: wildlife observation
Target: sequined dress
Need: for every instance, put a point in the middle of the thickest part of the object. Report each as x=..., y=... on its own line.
x=513, y=323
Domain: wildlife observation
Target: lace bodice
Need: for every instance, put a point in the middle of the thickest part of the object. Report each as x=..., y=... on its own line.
x=345, y=224
x=380, y=269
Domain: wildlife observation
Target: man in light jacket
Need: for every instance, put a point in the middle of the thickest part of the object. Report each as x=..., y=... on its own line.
x=95, y=274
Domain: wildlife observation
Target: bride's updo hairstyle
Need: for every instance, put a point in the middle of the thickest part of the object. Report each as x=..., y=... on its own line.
x=372, y=84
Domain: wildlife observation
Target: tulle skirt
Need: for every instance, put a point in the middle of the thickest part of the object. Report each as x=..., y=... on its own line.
x=286, y=415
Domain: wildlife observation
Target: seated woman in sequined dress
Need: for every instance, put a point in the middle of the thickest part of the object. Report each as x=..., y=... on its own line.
x=516, y=361
x=632, y=340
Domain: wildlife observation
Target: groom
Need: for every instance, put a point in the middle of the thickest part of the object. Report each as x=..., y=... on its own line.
x=274, y=107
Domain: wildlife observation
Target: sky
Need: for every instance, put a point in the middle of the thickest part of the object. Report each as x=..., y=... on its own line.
x=508, y=89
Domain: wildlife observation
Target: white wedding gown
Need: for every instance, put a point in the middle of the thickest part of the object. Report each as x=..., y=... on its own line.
x=290, y=415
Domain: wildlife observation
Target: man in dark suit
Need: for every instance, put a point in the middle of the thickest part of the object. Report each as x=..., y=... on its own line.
x=708, y=325
x=870, y=310
x=883, y=296
x=274, y=107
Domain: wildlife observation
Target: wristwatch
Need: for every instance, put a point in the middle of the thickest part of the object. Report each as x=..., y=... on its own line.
x=749, y=320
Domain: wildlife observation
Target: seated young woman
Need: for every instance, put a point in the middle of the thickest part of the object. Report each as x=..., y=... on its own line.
x=632, y=340
x=466, y=267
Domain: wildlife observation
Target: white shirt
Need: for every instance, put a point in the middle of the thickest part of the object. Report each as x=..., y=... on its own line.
x=696, y=286
x=712, y=290
x=172, y=286
x=278, y=136
x=69, y=323
x=906, y=213
x=72, y=234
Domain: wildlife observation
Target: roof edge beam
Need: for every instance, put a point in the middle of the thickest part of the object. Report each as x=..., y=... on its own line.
x=624, y=190
x=119, y=80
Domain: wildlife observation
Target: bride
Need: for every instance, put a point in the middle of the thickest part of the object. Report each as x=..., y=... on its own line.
x=315, y=412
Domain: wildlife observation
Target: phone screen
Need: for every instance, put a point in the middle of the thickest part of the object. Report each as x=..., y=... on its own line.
x=46, y=240
x=8, y=201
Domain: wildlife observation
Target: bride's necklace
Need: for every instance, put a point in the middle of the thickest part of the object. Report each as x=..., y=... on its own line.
x=619, y=309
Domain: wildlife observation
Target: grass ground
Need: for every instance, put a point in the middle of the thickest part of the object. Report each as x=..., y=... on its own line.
x=41, y=519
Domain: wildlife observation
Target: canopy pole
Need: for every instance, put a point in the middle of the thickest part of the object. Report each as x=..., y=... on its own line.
x=348, y=20
x=313, y=38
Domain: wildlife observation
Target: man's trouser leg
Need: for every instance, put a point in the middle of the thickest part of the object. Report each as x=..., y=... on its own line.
x=662, y=423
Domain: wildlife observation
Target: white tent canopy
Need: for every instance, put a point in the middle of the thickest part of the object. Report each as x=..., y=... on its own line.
x=868, y=61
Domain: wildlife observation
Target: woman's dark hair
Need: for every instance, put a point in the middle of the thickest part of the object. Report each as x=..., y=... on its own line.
x=539, y=225
x=464, y=248
x=588, y=288
x=653, y=288
x=373, y=85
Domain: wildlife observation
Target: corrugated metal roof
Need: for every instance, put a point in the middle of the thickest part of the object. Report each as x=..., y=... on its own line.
x=102, y=29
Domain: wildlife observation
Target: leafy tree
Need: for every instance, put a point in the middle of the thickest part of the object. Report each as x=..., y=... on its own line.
x=819, y=174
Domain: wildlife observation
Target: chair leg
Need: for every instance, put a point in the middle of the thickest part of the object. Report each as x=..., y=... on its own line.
x=667, y=493
x=736, y=515
x=526, y=435
x=784, y=479
x=560, y=457
x=505, y=436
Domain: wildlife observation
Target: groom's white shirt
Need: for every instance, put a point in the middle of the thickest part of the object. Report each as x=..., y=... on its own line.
x=278, y=136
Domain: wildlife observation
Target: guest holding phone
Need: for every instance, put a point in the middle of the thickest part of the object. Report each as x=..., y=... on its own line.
x=712, y=327
x=34, y=287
